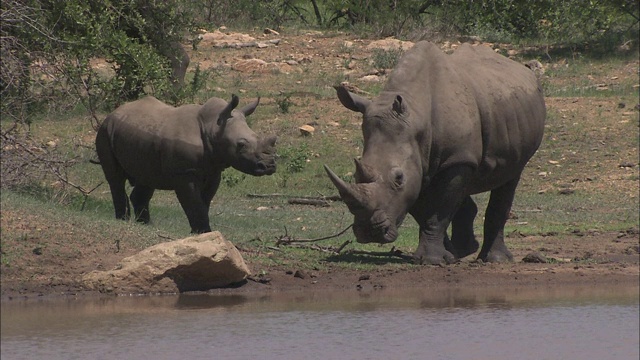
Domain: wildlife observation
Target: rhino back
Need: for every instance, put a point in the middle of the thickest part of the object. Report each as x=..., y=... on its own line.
x=154, y=142
x=476, y=108
x=511, y=109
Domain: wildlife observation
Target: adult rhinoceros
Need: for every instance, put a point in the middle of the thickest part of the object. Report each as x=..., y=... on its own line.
x=443, y=128
x=157, y=146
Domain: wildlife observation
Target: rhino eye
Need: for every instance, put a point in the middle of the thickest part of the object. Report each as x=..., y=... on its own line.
x=241, y=145
x=398, y=178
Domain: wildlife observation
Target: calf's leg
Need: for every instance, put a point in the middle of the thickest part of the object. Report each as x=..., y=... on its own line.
x=140, y=197
x=197, y=212
x=119, y=197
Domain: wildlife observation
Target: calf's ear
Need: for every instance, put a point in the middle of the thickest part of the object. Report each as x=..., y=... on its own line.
x=226, y=112
x=250, y=108
x=352, y=101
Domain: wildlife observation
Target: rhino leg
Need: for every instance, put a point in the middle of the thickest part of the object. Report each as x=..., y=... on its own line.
x=209, y=190
x=140, y=197
x=441, y=201
x=115, y=175
x=120, y=200
x=496, y=215
x=189, y=196
x=462, y=238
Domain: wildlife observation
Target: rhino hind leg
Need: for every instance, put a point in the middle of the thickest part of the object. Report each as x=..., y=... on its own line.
x=120, y=200
x=140, y=197
x=496, y=215
x=115, y=175
x=462, y=238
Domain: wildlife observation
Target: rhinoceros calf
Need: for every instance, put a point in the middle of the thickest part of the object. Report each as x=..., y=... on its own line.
x=443, y=128
x=185, y=149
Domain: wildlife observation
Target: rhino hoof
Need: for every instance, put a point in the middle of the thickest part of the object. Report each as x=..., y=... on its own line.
x=444, y=259
x=498, y=257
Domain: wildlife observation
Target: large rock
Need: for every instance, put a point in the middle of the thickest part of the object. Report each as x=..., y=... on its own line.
x=195, y=263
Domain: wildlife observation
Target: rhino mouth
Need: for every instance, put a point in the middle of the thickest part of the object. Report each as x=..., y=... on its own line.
x=382, y=232
x=258, y=168
x=264, y=168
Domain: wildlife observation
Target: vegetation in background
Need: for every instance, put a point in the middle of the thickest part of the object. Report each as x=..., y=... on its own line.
x=47, y=45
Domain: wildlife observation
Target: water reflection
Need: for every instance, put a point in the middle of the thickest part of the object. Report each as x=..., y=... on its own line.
x=494, y=323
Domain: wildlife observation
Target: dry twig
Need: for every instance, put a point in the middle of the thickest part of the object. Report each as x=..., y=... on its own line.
x=391, y=253
x=288, y=240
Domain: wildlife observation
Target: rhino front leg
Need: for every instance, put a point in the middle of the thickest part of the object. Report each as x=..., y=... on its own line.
x=140, y=197
x=462, y=237
x=496, y=215
x=189, y=196
x=210, y=189
x=440, y=202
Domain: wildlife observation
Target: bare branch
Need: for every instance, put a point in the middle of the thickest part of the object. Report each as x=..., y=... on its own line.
x=287, y=240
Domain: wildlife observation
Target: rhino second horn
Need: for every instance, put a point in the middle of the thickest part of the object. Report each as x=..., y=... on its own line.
x=364, y=174
x=345, y=190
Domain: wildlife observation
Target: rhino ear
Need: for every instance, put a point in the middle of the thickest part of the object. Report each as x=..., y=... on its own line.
x=249, y=109
x=352, y=101
x=226, y=113
x=399, y=107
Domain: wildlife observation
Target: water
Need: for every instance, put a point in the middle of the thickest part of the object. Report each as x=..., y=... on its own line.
x=572, y=323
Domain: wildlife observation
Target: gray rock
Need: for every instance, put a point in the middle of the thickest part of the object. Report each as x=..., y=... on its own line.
x=535, y=257
x=196, y=263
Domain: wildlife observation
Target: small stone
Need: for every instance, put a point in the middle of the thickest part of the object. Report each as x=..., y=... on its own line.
x=300, y=274
x=566, y=191
x=535, y=257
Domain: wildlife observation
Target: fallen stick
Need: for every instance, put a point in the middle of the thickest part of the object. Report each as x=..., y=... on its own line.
x=327, y=249
x=277, y=195
x=265, y=195
x=306, y=201
x=288, y=240
x=391, y=253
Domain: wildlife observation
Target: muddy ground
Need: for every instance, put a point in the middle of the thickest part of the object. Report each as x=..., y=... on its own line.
x=591, y=258
x=573, y=260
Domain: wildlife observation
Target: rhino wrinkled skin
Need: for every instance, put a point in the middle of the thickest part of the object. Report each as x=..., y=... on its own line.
x=444, y=127
x=185, y=149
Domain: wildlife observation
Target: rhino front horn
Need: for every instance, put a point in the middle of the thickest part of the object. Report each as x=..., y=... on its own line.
x=343, y=188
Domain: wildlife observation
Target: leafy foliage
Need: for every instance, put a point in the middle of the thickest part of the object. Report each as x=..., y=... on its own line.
x=50, y=46
x=294, y=157
x=284, y=103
